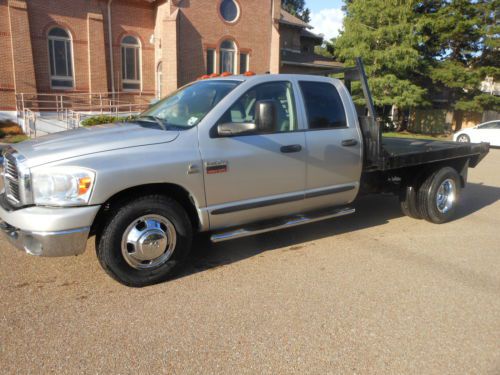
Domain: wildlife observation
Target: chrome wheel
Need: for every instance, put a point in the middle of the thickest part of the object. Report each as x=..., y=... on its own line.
x=446, y=195
x=148, y=242
x=463, y=138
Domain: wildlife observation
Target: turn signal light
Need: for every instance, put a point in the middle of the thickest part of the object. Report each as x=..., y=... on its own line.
x=84, y=185
x=249, y=74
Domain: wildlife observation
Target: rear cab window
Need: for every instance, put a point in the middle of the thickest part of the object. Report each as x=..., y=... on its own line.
x=324, y=107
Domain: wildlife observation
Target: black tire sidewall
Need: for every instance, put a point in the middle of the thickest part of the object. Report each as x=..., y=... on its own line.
x=428, y=193
x=464, y=136
x=109, y=246
x=408, y=200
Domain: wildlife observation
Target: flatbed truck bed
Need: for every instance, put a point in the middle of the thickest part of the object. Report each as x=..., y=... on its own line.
x=406, y=152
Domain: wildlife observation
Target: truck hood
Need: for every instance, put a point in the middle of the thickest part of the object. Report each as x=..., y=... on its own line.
x=84, y=141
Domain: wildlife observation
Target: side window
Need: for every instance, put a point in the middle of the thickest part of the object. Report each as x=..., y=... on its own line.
x=243, y=110
x=324, y=106
x=491, y=125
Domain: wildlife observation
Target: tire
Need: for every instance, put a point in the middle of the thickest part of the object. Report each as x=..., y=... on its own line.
x=146, y=241
x=408, y=202
x=463, y=138
x=438, y=196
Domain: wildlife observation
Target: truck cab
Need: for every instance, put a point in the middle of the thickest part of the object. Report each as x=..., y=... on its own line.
x=278, y=145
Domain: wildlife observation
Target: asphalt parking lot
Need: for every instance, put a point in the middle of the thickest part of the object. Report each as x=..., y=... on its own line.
x=375, y=292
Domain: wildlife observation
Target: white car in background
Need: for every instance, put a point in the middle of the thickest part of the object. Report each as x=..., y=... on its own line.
x=486, y=132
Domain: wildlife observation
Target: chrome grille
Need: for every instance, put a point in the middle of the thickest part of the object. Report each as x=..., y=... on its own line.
x=11, y=179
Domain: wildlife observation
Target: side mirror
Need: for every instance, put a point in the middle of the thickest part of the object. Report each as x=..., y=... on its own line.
x=235, y=128
x=265, y=116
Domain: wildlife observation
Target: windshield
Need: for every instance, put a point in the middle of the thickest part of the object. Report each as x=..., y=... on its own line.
x=187, y=106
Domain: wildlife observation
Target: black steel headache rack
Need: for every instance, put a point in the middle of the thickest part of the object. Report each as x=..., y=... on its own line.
x=386, y=153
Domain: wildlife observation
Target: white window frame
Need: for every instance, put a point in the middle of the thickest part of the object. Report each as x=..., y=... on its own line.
x=159, y=79
x=137, y=60
x=229, y=50
x=237, y=15
x=68, y=43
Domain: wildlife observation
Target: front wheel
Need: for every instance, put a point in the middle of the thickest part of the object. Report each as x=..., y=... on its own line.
x=146, y=242
x=438, y=196
x=463, y=138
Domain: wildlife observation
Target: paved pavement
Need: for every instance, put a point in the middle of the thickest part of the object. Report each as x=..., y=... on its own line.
x=372, y=293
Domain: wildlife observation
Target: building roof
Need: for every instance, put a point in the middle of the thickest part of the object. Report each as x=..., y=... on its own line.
x=309, y=59
x=289, y=19
x=304, y=33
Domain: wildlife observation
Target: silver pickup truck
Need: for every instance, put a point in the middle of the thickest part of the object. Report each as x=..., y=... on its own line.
x=233, y=156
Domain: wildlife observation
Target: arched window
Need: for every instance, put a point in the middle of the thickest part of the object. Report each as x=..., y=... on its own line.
x=228, y=57
x=60, y=59
x=131, y=63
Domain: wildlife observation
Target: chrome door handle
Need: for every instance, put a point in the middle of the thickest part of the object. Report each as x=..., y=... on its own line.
x=349, y=142
x=290, y=148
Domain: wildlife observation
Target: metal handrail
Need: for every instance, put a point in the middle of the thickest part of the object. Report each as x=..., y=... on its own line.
x=29, y=122
x=71, y=107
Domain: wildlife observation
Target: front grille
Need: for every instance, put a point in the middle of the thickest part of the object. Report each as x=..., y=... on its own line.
x=11, y=179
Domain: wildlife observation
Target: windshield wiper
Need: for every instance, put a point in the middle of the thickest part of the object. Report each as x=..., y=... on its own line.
x=155, y=119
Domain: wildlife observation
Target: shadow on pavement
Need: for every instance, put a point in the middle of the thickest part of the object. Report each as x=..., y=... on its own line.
x=475, y=197
x=371, y=211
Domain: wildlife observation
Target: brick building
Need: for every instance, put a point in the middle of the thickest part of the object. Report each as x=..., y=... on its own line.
x=149, y=47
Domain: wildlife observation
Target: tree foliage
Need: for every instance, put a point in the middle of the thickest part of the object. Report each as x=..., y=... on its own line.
x=419, y=51
x=297, y=8
x=382, y=32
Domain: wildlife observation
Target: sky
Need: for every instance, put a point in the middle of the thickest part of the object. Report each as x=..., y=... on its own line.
x=326, y=16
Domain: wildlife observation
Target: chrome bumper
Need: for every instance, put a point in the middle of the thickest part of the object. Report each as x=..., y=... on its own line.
x=48, y=232
x=47, y=244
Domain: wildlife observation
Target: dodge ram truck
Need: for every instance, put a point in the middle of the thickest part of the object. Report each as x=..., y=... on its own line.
x=233, y=156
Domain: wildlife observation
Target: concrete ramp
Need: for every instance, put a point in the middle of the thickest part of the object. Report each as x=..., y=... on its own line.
x=49, y=125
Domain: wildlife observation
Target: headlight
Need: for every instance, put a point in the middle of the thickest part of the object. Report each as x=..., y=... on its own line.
x=62, y=186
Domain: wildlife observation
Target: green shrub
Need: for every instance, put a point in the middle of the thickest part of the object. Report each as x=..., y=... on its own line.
x=18, y=138
x=105, y=119
x=10, y=132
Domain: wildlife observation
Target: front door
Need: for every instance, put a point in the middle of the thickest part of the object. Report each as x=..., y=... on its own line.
x=490, y=132
x=256, y=176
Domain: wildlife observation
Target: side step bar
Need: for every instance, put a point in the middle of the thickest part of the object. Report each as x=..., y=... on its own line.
x=281, y=224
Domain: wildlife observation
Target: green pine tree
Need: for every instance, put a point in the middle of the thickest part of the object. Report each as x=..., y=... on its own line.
x=418, y=51
x=462, y=49
x=383, y=33
x=297, y=8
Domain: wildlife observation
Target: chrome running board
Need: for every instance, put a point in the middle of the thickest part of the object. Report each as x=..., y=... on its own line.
x=283, y=224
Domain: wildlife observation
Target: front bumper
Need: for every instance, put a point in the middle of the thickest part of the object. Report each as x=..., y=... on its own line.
x=47, y=244
x=46, y=231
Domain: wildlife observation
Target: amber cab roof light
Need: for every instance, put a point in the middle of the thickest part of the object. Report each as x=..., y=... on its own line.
x=224, y=74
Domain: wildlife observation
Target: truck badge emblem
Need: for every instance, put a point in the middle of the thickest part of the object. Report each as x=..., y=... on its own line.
x=215, y=167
